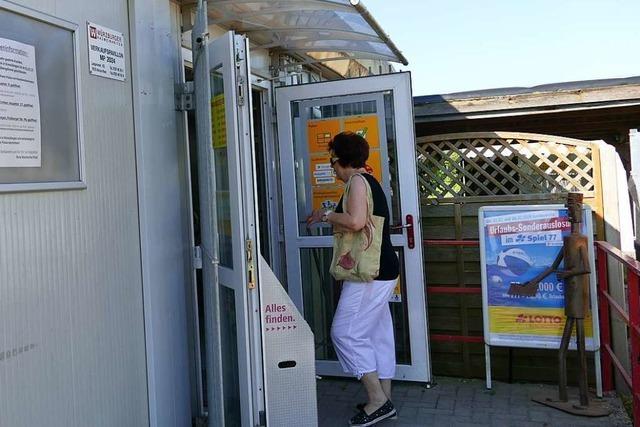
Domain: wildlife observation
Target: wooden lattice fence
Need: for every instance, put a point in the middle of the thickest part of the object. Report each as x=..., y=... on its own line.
x=462, y=165
x=459, y=173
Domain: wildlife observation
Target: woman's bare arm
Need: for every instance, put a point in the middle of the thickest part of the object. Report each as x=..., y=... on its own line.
x=355, y=217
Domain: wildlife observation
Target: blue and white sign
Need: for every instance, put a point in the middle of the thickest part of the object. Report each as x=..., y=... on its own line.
x=517, y=243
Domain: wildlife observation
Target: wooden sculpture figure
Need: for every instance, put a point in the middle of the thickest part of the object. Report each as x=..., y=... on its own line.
x=575, y=275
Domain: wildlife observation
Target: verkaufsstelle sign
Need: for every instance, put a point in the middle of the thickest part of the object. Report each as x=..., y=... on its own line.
x=517, y=243
x=106, y=52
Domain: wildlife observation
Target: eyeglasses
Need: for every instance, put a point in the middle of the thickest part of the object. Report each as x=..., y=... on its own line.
x=333, y=160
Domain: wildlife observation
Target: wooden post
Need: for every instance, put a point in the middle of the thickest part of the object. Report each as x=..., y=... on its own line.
x=634, y=183
x=605, y=320
x=616, y=279
x=634, y=323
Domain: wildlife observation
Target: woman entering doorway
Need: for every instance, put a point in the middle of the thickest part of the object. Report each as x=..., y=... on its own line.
x=362, y=329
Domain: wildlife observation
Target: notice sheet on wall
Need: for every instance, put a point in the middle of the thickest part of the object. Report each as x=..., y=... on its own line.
x=20, y=133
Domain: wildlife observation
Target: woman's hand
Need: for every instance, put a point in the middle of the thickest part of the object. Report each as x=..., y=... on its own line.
x=315, y=217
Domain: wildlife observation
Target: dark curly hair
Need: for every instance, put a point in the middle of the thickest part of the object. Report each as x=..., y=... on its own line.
x=350, y=148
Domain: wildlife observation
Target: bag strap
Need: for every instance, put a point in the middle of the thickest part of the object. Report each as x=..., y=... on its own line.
x=369, y=194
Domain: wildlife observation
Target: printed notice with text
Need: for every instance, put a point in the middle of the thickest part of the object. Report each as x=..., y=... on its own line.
x=20, y=133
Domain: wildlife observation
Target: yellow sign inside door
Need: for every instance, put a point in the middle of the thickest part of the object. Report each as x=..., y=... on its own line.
x=218, y=122
x=319, y=133
x=326, y=189
x=366, y=127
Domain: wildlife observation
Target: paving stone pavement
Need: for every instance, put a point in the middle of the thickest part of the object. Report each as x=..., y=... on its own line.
x=459, y=402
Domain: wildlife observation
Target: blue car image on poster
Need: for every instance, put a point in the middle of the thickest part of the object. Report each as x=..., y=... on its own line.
x=517, y=243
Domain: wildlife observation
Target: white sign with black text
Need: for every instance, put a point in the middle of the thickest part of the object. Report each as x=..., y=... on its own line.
x=106, y=52
x=20, y=134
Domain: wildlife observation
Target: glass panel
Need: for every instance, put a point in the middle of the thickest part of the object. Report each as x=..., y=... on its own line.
x=313, y=127
x=261, y=181
x=221, y=165
x=320, y=298
x=392, y=144
x=308, y=26
x=229, y=344
x=400, y=315
x=319, y=45
x=261, y=15
x=320, y=162
x=55, y=93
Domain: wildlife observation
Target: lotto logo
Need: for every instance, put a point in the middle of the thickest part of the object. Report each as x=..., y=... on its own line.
x=525, y=318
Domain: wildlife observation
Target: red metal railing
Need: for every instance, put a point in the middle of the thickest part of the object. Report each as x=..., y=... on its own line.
x=632, y=319
x=454, y=290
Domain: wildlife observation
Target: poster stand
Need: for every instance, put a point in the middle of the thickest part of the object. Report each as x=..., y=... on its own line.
x=515, y=243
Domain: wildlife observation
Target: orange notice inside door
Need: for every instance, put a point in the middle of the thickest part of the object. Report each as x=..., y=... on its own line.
x=319, y=133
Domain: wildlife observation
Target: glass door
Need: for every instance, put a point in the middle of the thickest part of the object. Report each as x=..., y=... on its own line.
x=380, y=109
x=228, y=225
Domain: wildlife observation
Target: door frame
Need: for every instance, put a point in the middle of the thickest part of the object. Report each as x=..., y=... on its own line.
x=400, y=85
x=272, y=175
x=229, y=53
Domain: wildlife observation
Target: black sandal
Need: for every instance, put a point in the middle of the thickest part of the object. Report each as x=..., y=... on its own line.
x=360, y=407
x=362, y=419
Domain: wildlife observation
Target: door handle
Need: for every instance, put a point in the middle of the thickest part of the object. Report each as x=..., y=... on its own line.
x=399, y=226
x=411, y=240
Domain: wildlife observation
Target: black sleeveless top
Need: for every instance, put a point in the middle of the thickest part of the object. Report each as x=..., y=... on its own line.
x=389, y=265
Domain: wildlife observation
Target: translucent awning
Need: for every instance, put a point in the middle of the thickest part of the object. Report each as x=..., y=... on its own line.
x=304, y=26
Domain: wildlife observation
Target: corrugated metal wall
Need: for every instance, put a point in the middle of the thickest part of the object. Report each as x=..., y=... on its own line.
x=165, y=215
x=71, y=311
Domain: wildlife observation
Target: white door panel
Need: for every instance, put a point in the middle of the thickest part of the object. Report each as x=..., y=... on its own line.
x=228, y=224
x=308, y=116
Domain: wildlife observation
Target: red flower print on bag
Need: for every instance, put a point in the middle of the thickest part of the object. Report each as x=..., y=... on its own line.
x=346, y=261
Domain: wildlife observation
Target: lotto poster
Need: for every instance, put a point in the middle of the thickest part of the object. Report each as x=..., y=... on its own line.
x=517, y=243
x=326, y=189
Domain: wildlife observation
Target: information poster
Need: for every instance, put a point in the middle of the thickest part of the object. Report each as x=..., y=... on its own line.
x=106, y=52
x=326, y=189
x=397, y=290
x=321, y=171
x=20, y=133
x=366, y=127
x=376, y=164
x=517, y=243
x=218, y=122
x=319, y=134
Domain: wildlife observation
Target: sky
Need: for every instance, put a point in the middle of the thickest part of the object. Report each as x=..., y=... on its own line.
x=466, y=45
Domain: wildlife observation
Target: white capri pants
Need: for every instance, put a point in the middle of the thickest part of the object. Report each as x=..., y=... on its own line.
x=362, y=330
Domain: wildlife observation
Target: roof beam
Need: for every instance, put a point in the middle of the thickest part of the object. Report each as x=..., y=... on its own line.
x=527, y=103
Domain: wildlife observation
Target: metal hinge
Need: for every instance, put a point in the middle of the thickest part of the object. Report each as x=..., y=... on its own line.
x=240, y=57
x=197, y=257
x=241, y=91
x=239, y=49
x=184, y=96
x=251, y=274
